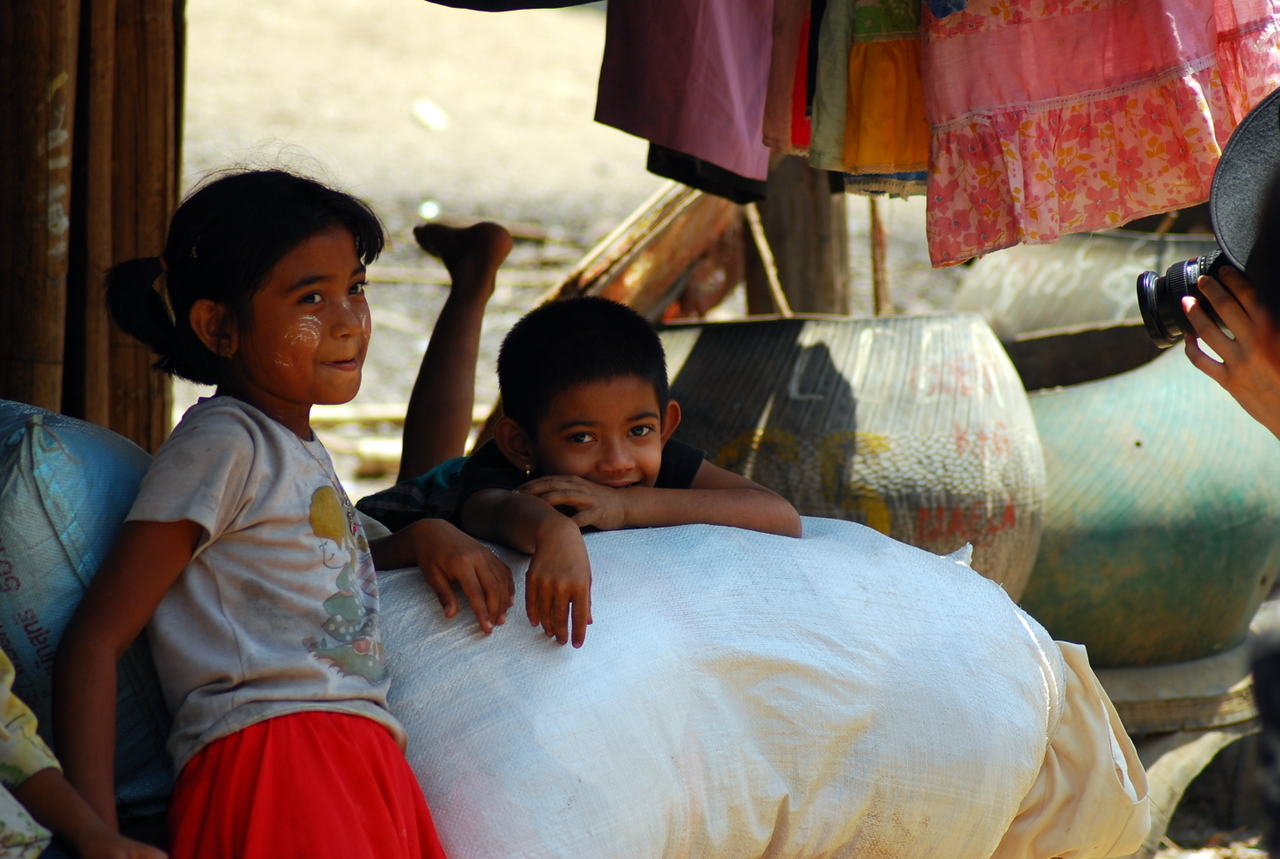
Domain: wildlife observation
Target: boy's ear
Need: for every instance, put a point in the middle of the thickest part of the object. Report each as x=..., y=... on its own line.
x=214, y=324
x=515, y=444
x=670, y=420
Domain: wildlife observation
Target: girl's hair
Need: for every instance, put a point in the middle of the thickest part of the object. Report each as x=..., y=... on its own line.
x=224, y=239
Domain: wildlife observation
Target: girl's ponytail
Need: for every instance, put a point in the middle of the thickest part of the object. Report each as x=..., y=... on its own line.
x=140, y=311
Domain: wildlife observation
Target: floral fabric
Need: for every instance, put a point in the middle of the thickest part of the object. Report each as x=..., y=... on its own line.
x=22, y=752
x=1050, y=117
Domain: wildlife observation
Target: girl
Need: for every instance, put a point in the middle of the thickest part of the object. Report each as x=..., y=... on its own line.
x=242, y=554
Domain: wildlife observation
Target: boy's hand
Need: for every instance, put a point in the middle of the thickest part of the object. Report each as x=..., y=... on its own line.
x=446, y=555
x=558, y=583
x=598, y=505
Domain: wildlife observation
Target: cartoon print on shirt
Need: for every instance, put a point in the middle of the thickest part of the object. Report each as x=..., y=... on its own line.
x=351, y=642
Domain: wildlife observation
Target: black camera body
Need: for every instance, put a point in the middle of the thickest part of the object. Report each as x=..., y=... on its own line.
x=1238, y=199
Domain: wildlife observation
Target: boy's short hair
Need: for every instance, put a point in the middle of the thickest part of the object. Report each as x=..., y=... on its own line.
x=565, y=343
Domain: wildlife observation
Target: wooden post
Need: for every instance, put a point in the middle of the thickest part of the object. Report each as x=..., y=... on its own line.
x=86, y=388
x=806, y=227
x=37, y=98
x=98, y=194
x=144, y=192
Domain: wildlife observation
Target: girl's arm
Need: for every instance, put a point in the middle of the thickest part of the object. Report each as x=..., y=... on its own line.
x=446, y=555
x=717, y=497
x=558, y=584
x=140, y=568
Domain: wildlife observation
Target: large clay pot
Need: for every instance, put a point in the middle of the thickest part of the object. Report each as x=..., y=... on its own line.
x=1162, y=521
x=916, y=426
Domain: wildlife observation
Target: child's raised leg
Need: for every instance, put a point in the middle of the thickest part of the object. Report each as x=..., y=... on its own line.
x=438, y=417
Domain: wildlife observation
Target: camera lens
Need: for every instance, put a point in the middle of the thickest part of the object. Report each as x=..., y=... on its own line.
x=1160, y=298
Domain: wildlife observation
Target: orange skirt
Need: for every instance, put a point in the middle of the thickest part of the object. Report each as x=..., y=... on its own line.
x=314, y=784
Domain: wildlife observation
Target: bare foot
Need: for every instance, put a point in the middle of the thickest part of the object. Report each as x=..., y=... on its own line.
x=471, y=254
x=439, y=414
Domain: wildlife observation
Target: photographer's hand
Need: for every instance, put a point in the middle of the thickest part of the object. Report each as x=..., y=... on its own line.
x=1250, y=367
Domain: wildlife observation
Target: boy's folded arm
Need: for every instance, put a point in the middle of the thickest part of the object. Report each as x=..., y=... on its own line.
x=752, y=507
x=509, y=518
x=716, y=497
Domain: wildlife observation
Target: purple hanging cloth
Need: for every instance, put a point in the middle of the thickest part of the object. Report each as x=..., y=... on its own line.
x=690, y=76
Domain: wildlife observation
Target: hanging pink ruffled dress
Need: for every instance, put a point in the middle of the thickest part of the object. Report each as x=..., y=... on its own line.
x=1062, y=116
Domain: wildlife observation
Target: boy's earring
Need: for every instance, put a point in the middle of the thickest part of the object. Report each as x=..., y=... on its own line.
x=528, y=469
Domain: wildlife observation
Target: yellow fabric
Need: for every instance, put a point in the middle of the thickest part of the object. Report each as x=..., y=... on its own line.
x=885, y=127
x=1091, y=781
x=22, y=752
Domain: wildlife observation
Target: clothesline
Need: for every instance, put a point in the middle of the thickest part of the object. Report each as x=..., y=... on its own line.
x=1019, y=120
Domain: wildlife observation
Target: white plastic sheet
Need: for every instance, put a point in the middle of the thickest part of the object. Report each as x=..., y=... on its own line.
x=739, y=695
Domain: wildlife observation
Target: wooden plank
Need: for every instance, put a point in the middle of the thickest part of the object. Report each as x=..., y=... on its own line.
x=643, y=278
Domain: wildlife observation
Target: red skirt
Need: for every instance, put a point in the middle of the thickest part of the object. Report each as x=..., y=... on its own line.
x=314, y=784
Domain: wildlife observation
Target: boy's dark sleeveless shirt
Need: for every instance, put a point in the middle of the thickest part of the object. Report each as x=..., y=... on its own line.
x=487, y=468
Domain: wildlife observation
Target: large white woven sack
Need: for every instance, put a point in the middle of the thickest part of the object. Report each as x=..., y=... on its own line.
x=739, y=695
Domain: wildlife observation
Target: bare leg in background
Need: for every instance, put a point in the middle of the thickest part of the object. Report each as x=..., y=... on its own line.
x=438, y=418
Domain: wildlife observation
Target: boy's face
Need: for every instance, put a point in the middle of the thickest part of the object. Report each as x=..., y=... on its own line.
x=609, y=432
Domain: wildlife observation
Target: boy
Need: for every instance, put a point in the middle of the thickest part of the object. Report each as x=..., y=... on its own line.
x=586, y=441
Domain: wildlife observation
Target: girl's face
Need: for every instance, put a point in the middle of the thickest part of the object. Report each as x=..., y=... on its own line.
x=307, y=335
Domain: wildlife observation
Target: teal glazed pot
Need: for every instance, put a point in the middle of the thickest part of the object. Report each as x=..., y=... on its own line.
x=1162, y=516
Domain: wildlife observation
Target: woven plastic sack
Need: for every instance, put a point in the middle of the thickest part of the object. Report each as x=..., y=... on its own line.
x=65, y=488
x=742, y=694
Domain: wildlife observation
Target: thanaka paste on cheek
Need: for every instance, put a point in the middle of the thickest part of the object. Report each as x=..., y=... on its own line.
x=305, y=332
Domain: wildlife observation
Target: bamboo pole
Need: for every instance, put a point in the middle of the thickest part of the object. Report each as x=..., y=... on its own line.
x=37, y=96
x=780, y=303
x=879, y=275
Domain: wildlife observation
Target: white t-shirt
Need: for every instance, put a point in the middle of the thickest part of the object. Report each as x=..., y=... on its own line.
x=278, y=610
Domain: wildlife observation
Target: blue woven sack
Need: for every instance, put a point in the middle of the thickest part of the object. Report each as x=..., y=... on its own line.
x=65, y=488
